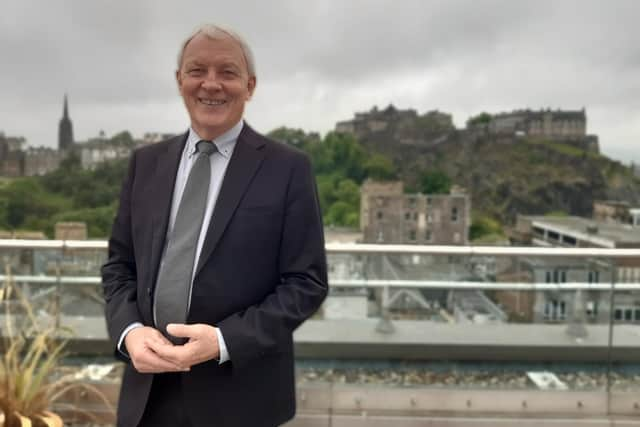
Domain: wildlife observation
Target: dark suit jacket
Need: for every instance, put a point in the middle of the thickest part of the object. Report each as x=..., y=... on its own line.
x=261, y=273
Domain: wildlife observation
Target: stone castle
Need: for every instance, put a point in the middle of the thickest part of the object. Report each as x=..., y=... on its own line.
x=433, y=127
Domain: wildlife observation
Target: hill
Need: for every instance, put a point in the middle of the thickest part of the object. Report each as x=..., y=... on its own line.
x=509, y=175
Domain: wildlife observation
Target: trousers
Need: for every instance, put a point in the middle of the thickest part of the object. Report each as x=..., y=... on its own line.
x=165, y=406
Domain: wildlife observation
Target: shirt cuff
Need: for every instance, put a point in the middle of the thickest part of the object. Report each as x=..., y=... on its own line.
x=122, y=349
x=224, y=354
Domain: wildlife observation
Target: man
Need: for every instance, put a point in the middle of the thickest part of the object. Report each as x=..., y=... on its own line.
x=203, y=309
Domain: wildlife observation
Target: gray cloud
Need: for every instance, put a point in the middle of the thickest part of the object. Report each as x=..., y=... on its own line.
x=319, y=62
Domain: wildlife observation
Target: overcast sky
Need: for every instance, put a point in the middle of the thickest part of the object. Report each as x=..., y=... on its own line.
x=318, y=62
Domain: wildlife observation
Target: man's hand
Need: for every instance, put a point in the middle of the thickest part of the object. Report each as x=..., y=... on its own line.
x=140, y=343
x=202, y=344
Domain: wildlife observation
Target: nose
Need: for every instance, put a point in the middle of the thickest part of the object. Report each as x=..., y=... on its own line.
x=211, y=81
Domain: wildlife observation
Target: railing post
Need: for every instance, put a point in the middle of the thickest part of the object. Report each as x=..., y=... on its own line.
x=614, y=272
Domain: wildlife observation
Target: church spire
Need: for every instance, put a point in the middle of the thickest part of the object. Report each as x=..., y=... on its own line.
x=65, y=113
x=65, y=129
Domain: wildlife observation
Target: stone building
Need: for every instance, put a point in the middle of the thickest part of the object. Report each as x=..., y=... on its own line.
x=566, y=125
x=11, y=155
x=387, y=215
x=73, y=230
x=616, y=212
x=95, y=152
x=548, y=122
x=405, y=126
x=41, y=160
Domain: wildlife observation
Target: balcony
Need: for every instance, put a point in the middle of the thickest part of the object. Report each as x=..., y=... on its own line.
x=410, y=335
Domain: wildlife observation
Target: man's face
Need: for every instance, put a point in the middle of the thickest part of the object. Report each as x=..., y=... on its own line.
x=214, y=84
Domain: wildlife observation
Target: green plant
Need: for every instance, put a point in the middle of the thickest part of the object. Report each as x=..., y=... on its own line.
x=33, y=351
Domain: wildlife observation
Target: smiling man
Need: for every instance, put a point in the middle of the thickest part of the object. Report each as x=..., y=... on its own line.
x=216, y=256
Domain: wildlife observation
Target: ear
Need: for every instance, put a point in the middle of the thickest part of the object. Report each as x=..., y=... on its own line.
x=179, y=79
x=251, y=86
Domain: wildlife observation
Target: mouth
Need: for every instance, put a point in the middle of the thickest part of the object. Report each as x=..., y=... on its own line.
x=212, y=102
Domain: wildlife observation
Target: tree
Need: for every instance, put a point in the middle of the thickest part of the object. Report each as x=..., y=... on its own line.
x=123, y=139
x=484, y=226
x=380, y=168
x=342, y=213
x=481, y=119
x=295, y=137
x=436, y=182
x=27, y=203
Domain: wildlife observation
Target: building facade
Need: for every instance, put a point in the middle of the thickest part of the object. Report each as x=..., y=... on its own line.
x=588, y=306
x=41, y=160
x=387, y=215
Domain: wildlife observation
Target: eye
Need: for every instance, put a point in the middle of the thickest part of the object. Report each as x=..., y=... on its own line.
x=195, y=71
x=229, y=72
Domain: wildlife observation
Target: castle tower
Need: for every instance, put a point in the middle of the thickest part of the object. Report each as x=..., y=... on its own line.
x=65, y=129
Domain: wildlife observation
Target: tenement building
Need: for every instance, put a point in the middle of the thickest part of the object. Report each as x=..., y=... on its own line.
x=387, y=215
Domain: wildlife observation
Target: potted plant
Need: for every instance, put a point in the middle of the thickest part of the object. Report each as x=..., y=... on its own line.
x=31, y=354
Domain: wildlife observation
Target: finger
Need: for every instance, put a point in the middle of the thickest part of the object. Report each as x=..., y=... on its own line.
x=181, y=330
x=155, y=363
x=157, y=340
x=174, y=354
x=158, y=337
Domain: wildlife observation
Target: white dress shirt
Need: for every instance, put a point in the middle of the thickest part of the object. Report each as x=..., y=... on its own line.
x=225, y=144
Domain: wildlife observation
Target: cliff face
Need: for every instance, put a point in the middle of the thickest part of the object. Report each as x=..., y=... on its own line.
x=514, y=175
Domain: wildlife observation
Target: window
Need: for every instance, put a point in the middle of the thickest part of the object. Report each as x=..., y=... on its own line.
x=407, y=215
x=553, y=235
x=555, y=310
x=415, y=216
x=454, y=214
x=427, y=235
x=568, y=240
x=538, y=231
x=428, y=201
x=412, y=202
x=412, y=235
x=548, y=276
x=559, y=276
x=617, y=314
x=593, y=277
x=637, y=315
x=379, y=215
x=592, y=309
x=429, y=218
x=628, y=314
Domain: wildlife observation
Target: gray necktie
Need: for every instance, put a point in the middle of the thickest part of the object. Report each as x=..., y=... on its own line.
x=171, y=299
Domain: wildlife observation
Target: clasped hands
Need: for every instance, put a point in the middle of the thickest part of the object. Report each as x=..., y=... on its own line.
x=151, y=352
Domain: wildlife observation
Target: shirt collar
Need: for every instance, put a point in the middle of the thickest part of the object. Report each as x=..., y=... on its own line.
x=225, y=143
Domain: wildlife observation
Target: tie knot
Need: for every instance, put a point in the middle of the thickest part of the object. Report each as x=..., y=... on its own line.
x=206, y=147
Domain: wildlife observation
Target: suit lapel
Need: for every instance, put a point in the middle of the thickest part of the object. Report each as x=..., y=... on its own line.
x=244, y=163
x=162, y=187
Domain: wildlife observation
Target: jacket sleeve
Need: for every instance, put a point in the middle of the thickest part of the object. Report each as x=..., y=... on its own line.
x=119, y=272
x=268, y=326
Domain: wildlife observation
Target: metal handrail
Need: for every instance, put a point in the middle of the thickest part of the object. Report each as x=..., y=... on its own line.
x=362, y=248
x=377, y=283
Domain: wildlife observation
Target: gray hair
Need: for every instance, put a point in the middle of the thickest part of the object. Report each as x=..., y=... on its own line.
x=217, y=32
